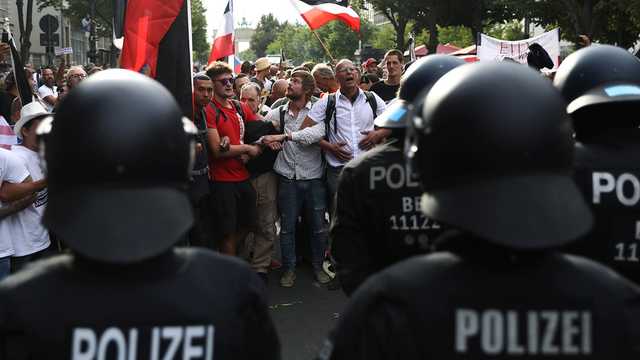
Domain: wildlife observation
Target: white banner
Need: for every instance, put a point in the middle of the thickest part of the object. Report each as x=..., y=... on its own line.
x=497, y=50
x=63, y=51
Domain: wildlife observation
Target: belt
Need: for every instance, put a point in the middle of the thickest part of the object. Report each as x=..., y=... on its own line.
x=202, y=171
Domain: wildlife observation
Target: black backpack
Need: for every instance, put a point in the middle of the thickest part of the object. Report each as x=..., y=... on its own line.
x=331, y=110
x=219, y=112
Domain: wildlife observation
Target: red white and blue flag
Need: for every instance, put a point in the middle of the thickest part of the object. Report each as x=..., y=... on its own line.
x=316, y=13
x=223, y=44
x=237, y=65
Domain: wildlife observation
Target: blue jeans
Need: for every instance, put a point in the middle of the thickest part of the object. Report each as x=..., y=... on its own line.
x=293, y=195
x=5, y=267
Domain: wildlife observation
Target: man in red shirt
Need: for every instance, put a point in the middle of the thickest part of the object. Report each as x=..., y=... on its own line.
x=234, y=197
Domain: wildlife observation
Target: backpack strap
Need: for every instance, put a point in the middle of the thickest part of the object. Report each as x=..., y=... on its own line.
x=218, y=113
x=282, y=113
x=372, y=102
x=328, y=114
x=238, y=107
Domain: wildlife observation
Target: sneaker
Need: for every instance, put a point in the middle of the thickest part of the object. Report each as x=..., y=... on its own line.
x=288, y=278
x=322, y=277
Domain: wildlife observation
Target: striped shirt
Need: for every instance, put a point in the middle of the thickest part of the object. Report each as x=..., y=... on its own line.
x=296, y=161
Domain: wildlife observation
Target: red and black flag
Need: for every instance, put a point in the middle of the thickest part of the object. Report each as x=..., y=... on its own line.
x=24, y=89
x=319, y=12
x=157, y=42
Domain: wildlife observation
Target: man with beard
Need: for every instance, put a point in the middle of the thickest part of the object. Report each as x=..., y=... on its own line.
x=388, y=89
x=300, y=169
x=48, y=91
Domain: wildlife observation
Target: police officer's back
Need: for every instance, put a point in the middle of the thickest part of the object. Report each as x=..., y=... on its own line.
x=118, y=157
x=378, y=220
x=501, y=177
x=602, y=88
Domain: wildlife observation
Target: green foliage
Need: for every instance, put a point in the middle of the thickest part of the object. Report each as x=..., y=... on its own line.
x=266, y=32
x=247, y=55
x=200, y=45
x=384, y=37
x=460, y=36
x=512, y=30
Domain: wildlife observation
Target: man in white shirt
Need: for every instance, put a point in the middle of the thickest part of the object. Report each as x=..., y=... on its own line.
x=350, y=131
x=48, y=91
x=30, y=238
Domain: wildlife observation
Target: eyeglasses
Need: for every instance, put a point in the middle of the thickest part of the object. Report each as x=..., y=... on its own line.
x=347, y=70
x=225, y=81
x=78, y=76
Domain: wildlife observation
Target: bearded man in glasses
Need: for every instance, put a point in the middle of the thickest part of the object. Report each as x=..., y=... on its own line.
x=234, y=199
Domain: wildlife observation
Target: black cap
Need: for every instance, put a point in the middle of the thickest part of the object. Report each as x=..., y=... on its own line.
x=118, y=155
x=496, y=158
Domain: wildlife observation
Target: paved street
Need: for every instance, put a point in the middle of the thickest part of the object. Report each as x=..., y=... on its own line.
x=303, y=314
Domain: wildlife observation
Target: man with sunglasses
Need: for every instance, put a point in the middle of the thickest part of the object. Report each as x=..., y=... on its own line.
x=234, y=197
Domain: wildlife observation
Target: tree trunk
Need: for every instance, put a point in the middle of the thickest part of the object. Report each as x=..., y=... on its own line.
x=25, y=24
x=433, y=34
x=402, y=26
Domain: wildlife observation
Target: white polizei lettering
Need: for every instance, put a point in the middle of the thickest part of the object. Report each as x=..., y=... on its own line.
x=492, y=337
x=173, y=333
x=375, y=174
x=569, y=331
x=600, y=187
x=551, y=317
x=513, y=347
x=546, y=332
x=210, y=334
x=190, y=351
x=407, y=204
x=401, y=176
x=466, y=326
x=635, y=186
x=133, y=344
x=586, y=333
x=115, y=336
x=533, y=343
x=155, y=343
x=83, y=344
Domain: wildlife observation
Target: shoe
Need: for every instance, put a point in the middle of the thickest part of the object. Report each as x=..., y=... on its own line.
x=288, y=278
x=322, y=277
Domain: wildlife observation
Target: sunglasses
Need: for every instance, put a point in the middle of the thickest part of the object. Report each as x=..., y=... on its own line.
x=226, y=81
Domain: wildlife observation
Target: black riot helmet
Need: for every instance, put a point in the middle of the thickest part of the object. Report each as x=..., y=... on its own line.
x=601, y=85
x=496, y=155
x=118, y=154
x=418, y=79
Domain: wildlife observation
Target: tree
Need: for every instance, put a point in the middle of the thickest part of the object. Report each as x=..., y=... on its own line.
x=459, y=36
x=399, y=13
x=266, y=32
x=247, y=55
x=200, y=45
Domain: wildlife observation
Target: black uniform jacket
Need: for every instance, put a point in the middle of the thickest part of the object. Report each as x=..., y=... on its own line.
x=377, y=220
x=490, y=304
x=607, y=170
x=185, y=304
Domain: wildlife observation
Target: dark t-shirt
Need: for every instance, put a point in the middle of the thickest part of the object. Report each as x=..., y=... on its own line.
x=185, y=304
x=386, y=92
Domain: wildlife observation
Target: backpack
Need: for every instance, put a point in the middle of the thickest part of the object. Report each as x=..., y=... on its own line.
x=331, y=111
x=219, y=112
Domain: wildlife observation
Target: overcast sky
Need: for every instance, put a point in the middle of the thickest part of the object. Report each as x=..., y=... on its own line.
x=251, y=10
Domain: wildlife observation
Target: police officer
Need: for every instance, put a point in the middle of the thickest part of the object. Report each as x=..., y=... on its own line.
x=378, y=219
x=602, y=88
x=495, y=155
x=118, y=156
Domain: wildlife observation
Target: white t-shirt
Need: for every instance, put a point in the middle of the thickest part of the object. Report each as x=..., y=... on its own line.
x=29, y=235
x=45, y=91
x=11, y=170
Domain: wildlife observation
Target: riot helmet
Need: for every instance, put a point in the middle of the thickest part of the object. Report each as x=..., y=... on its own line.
x=495, y=156
x=117, y=155
x=601, y=85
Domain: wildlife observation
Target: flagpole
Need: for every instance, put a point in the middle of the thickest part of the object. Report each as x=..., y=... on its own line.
x=324, y=46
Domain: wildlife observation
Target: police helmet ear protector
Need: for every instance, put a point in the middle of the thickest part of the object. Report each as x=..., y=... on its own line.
x=118, y=155
x=600, y=79
x=496, y=156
